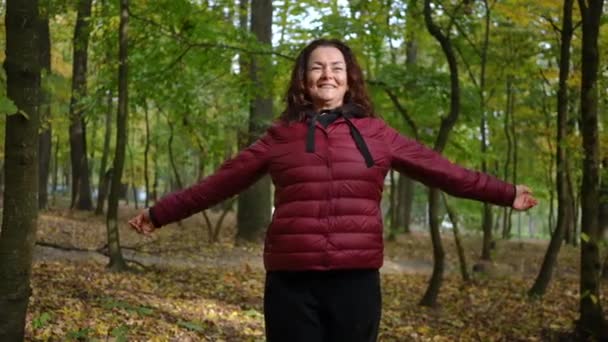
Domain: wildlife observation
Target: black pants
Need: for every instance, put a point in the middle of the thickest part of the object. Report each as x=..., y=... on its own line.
x=323, y=306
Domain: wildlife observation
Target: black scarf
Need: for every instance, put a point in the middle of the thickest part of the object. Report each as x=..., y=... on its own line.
x=327, y=116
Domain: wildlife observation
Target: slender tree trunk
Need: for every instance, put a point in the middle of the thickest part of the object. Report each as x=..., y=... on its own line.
x=464, y=269
x=563, y=216
x=55, y=179
x=20, y=213
x=406, y=184
x=552, y=160
x=592, y=321
x=603, y=211
x=117, y=262
x=572, y=190
x=447, y=123
x=576, y=209
x=81, y=188
x=44, y=149
x=102, y=191
x=254, y=205
x=178, y=179
x=405, y=194
x=483, y=127
x=432, y=291
x=515, y=160
x=156, y=163
x=392, y=211
x=133, y=186
x=506, y=216
x=146, y=152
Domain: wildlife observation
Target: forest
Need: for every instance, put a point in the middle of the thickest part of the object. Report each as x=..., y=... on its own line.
x=109, y=105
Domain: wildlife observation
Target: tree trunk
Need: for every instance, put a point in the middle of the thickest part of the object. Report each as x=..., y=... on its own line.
x=117, y=262
x=432, y=291
x=487, y=218
x=591, y=321
x=44, y=147
x=563, y=216
x=506, y=217
x=464, y=269
x=133, y=186
x=572, y=178
x=102, y=191
x=603, y=194
x=392, y=211
x=55, y=178
x=20, y=214
x=405, y=184
x=81, y=188
x=447, y=123
x=405, y=195
x=146, y=152
x=603, y=211
x=178, y=179
x=156, y=166
x=254, y=205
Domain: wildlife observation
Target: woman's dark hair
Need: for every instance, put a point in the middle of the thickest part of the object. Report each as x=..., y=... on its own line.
x=297, y=97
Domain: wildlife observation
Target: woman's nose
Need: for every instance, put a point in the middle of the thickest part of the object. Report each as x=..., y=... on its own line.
x=326, y=72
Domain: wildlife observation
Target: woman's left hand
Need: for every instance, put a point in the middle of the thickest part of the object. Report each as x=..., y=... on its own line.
x=523, y=198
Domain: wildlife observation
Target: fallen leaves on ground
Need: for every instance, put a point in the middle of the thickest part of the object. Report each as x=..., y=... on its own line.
x=83, y=301
x=78, y=299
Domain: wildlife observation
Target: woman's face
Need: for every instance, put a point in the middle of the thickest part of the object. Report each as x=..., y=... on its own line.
x=326, y=78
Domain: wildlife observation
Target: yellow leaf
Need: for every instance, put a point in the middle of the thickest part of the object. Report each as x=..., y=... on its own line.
x=423, y=329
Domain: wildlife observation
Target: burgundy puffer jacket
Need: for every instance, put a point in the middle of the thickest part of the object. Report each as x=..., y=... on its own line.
x=327, y=202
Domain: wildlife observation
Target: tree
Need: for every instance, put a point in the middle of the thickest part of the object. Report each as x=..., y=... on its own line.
x=405, y=185
x=254, y=204
x=447, y=123
x=487, y=207
x=104, y=172
x=117, y=262
x=480, y=83
x=19, y=219
x=564, y=214
x=104, y=175
x=44, y=151
x=591, y=321
x=81, y=188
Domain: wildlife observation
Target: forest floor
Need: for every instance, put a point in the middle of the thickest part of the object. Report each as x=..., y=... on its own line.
x=182, y=288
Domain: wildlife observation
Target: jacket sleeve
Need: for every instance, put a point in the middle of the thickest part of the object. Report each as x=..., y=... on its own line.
x=234, y=176
x=431, y=168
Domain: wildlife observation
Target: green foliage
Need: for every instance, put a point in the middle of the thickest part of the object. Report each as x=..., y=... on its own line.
x=184, y=68
x=191, y=326
x=7, y=106
x=111, y=303
x=120, y=333
x=82, y=334
x=42, y=320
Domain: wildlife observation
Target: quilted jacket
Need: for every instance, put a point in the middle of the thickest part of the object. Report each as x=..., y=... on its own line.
x=328, y=185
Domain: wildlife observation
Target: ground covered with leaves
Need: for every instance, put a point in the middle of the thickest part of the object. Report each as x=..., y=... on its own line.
x=183, y=289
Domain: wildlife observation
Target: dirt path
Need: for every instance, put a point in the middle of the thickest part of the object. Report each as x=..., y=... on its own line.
x=235, y=258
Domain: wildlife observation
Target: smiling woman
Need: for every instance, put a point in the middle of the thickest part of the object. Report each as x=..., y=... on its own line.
x=328, y=156
x=326, y=79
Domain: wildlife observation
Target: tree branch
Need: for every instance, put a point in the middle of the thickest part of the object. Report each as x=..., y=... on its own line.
x=190, y=44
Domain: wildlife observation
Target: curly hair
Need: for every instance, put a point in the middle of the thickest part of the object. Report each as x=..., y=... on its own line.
x=297, y=98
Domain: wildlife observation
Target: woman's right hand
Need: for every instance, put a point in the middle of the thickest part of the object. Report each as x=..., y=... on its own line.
x=142, y=223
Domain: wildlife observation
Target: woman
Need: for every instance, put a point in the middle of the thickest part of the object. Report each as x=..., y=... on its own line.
x=328, y=156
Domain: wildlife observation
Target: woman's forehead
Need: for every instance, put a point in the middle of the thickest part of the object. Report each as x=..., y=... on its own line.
x=326, y=53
